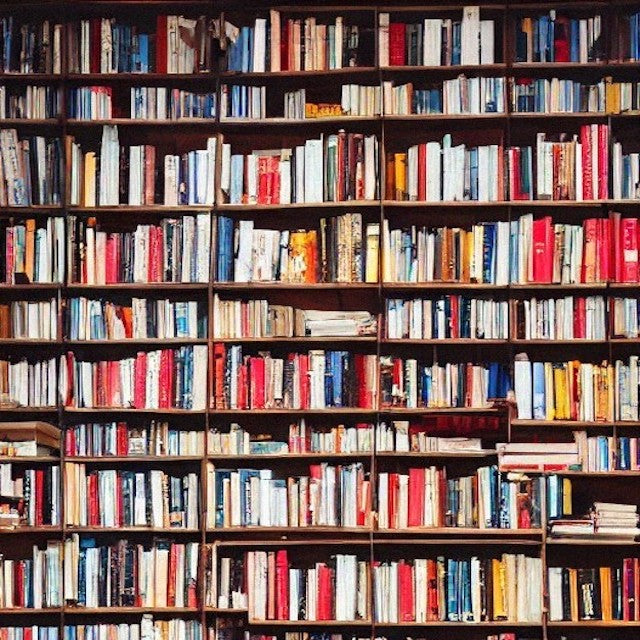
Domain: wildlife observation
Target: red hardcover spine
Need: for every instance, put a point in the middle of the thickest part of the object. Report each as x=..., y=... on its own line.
x=161, y=44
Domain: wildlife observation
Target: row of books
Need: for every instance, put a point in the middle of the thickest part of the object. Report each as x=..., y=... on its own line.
x=560, y=95
x=29, y=497
x=437, y=41
x=566, y=318
x=258, y=318
x=554, y=37
x=36, y=102
x=28, y=384
x=526, y=250
x=30, y=47
x=317, y=379
x=341, y=249
x=407, y=382
x=594, y=593
x=136, y=176
x=175, y=250
x=288, y=44
x=147, y=628
x=428, y=497
x=573, y=168
x=607, y=453
x=327, y=496
x=244, y=101
x=458, y=590
x=29, y=319
x=113, y=498
x=508, y=587
x=347, y=163
x=105, y=45
x=302, y=438
x=576, y=390
x=31, y=170
x=144, y=318
x=402, y=436
x=121, y=439
x=159, y=379
x=129, y=574
x=446, y=317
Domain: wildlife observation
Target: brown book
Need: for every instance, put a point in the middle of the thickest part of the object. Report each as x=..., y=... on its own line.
x=5, y=321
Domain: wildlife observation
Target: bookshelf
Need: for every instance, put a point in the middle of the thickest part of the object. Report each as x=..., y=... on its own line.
x=394, y=133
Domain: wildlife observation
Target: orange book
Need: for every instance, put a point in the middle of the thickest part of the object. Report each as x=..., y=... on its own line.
x=389, y=177
x=573, y=594
x=400, y=176
x=30, y=248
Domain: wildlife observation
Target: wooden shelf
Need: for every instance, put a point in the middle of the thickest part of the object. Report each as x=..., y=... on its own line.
x=150, y=459
x=124, y=529
x=134, y=342
x=300, y=340
x=254, y=457
x=82, y=611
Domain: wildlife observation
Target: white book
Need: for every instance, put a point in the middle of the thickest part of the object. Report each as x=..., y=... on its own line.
x=470, y=36
x=259, y=45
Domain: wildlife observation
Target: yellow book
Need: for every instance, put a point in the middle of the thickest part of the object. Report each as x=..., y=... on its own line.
x=400, y=171
x=89, y=187
x=573, y=593
x=373, y=251
x=499, y=592
x=611, y=389
x=605, y=593
x=548, y=391
x=567, y=499
x=560, y=391
x=30, y=248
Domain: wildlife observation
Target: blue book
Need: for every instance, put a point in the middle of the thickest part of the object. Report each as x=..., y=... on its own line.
x=336, y=370
x=513, y=250
x=237, y=171
x=246, y=49
x=465, y=586
x=456, y=50
x=552, y=497
x=473, y=172
x=452, y=600
x=143, y=52
x=574, y=40
x=539, y=401
x=488, y=252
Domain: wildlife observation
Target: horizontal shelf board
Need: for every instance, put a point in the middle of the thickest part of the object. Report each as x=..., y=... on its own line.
x=35, y=286
x=437, y=410
x=297, y=74
x=126, y=529
x=436, y=454
x=299, y=205
x=301, y=340
x=144, y=122
x=422, y=540
x=451, y=68
x=228, y=611
x=28, y=342
x=558, y=342
x=69, y=610
x=447, y=623
x=328, y=410
x=247, y=286
x=81, y=410
x=130, y=208
x=17, y=611
x=226, y=123
x=593, y=623
x=130, y=459
x=137, y=341
x=289, y=530
x=140, y=286
x=29, y=459
x=5, y=409
x=229, y=457
x=399, y=286
x=571, y=423
x=32, y=122
x=334, y=541
x=128, y=77
x=311, y=623
x=594, y=541
x=462, y=531
x=41, y=530
x=460, y=341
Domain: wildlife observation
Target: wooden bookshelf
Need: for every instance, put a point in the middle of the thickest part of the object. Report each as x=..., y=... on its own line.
x=390, y=128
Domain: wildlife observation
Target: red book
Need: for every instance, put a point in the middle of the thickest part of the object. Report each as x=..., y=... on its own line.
x=39, y=496
x=257, y=372
x=543, y=242
x=171, y=578
x=587, y=166
x=70, y=442
x=303, y=368
x=219, y=364
x=406, y=604
x=603, y=271
x=95, y=45
x=140, y=381
x=629, y=250
x=416, y=497
x=561, y=39
x=397, y=377
x=161, y=44
x=603, y=162
x=274, y=172
x=615, y=225
x=392, y=500
x=165, y=376
x=397, y=47
x=580, y=318
x=19, y=584
x=627, y=589
x=432, y=590
x=422, y=172
x=590, y=252
x=454, y=317
x=264, y=196
x=341, y=191
x=284, y=45
x=282, y=585
x=243, y=387
x=325, y=592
